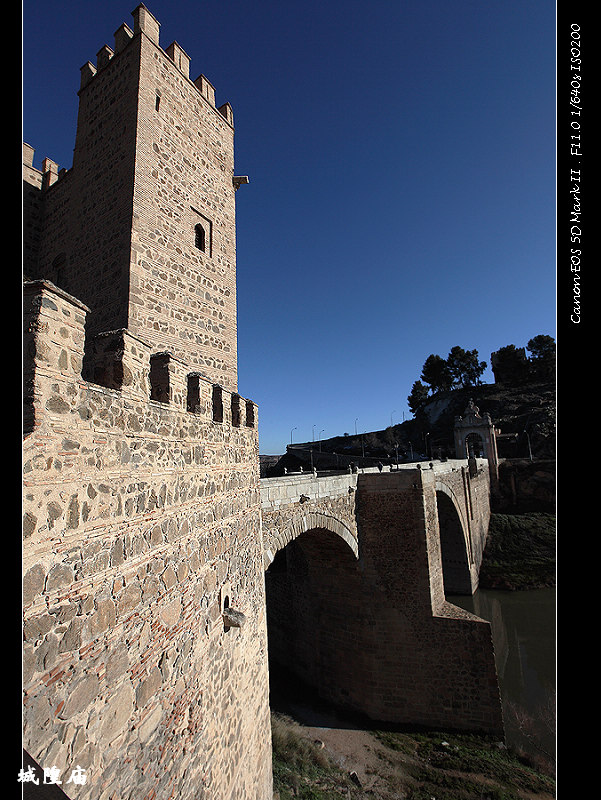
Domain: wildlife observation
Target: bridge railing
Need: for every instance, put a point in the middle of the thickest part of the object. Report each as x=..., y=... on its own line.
x=298, y=486
x=293, y=488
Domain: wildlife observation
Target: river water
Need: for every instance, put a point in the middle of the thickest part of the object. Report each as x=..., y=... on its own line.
x=523, y=629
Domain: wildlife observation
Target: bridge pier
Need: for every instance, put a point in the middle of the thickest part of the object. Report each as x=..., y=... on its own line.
x=435, y=662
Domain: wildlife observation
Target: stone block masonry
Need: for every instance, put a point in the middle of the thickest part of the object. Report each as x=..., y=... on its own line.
x=142, y=228
x=142, y=518
x=139, y=515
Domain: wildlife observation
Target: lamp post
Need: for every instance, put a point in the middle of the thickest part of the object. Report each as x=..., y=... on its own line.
x=356, y=425
x=320, y=432
x=529, y=448
x=293, y=429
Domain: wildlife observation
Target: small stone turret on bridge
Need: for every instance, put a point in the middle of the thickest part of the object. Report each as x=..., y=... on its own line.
x=357, y=567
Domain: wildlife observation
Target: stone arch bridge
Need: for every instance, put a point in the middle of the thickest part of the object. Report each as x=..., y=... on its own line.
x=358, y=567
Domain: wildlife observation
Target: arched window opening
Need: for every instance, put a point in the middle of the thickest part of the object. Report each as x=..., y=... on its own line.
x=475, y=446
x=203, y=232
x=58, y=270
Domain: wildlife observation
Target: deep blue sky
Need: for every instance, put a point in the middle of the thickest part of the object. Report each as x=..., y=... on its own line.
x=401, y=158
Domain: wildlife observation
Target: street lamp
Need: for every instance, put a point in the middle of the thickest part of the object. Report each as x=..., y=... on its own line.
x=293, y=429
x=320, y=432
x=356, y=425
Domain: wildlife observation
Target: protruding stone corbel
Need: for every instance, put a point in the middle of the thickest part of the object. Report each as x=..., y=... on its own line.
x=233, y=618
x=304, y=498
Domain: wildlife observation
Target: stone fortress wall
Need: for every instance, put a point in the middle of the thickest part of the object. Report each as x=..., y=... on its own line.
x=142, y=522
x=145, y=651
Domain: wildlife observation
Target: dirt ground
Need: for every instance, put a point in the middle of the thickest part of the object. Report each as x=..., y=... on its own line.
x=378, y=772
x=357, y=753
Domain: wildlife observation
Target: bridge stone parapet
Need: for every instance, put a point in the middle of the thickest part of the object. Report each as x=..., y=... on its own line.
x=298, y=503
x=289, y=489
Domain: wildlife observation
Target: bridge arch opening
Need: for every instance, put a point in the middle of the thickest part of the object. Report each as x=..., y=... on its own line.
x=454, y=547
x=312, y=588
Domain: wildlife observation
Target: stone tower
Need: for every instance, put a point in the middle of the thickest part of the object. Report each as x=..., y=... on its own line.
x=145, y=644
x=142, y=228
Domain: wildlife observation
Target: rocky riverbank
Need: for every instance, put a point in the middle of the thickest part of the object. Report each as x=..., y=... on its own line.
x=520, y=552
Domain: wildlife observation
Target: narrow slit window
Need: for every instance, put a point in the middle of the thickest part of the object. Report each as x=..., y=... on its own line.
x=235, y=408
x=200, y=237
x=193, y=397
x=157, y=101
x=217, y=404
x=159, y=377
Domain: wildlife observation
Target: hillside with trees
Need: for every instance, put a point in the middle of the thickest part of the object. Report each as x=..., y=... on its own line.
x=462, y=369
x=521, y=404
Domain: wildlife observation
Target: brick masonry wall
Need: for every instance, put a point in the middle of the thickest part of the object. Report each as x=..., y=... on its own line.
x=140, y=518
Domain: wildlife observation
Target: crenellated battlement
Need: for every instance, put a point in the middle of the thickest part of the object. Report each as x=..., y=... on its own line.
x=145, y=23
x=44, y=178
x=54, y=337
x=141, y=515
